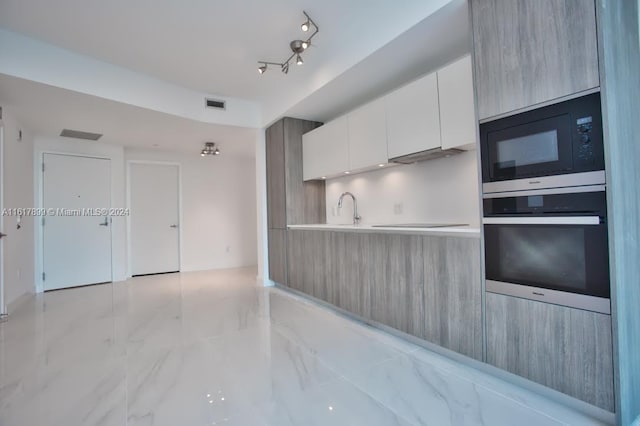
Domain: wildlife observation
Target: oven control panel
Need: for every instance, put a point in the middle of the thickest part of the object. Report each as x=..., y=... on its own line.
x=584, y=126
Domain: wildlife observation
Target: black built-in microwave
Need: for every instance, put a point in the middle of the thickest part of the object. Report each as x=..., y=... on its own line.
x=559, y=139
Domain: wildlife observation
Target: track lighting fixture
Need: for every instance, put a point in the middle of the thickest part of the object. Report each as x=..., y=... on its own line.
x=297, y=48
x=209, y=149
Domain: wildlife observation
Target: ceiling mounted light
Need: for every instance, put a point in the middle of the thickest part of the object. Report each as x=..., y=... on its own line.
x=209, y=149
x=306, y=24
x=297, y=48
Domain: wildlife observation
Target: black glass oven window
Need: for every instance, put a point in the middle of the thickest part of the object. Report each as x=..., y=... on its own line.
x=525, y=150
x=543, y=255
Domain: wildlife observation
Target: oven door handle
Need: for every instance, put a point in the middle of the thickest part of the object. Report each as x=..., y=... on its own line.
x=553, y=220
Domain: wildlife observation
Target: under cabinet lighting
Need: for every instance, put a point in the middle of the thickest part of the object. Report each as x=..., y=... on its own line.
x=380, y=165
x=346, y=173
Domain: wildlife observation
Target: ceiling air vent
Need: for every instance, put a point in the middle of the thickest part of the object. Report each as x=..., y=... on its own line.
x=80, y=135
x=214, y=103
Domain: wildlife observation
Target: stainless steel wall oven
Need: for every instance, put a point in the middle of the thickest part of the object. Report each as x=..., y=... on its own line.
x=549, y=245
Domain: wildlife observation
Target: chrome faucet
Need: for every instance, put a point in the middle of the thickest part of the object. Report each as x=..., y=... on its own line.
x=356, y=218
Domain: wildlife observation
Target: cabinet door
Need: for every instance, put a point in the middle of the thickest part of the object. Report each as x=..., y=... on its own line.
x=325, y=151
x=367, y=136
x=305, y=201
x=350, y=267
x=453, y=294
x=528, y=52
x=566, y=349
x=308, y=263
x=397, y=290
x=413, y=117
x=277, y=255
x=457, y=109
x=276, y=198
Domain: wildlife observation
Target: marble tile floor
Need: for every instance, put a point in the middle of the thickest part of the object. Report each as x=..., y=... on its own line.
x=211, y=348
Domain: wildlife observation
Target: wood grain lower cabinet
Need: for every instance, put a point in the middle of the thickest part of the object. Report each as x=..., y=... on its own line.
x=277, y=255
x=453, y=294
x=396, y=279
x=563, y=348
x=308, y=263
x=350, y=266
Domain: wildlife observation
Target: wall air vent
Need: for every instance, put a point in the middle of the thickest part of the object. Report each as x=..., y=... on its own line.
x=80, y=135
x=214, y=103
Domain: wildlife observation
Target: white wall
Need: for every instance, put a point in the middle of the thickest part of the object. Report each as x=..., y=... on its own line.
x=261, y=210
x=95, y=149
x=442, y=190
x=19, y=246
x=218, y=208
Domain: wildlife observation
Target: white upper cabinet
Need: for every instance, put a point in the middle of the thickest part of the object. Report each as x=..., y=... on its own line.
x=435, y=111
x=457, y=112
x=325, y=150
x=367, y=136
x=413, y=117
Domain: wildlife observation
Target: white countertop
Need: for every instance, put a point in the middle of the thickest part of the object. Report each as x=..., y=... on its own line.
x=456, y=231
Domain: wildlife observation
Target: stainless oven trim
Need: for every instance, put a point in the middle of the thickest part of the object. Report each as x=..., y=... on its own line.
x=540, y=105
x=542, y=220
x=551, y=191
x=555, y=181
x=562, y=298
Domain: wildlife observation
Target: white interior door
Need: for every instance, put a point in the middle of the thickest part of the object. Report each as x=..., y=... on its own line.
x=155, y=231
x=76, y=242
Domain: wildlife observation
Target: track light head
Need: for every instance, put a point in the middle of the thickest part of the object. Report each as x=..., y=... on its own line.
x=298, y=47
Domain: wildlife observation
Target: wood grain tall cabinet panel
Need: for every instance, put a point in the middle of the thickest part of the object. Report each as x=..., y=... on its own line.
x=530, y=52
x=620, y=60
x=563, y=348
x=290, y=201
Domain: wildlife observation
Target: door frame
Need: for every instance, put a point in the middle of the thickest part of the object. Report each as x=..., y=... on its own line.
x=128, y=206
x=39, y=234
x=3, y=305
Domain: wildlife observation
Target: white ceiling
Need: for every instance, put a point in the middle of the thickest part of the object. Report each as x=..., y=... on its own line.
x=364, y=49
x=214, y=45
x=46, y=110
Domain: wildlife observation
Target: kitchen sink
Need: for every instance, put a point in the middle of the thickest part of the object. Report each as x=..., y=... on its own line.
x=420, y=225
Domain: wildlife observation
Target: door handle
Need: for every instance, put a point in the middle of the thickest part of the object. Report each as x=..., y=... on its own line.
x=173, y=226
x=2, y=235
x=106, y=222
